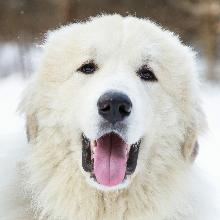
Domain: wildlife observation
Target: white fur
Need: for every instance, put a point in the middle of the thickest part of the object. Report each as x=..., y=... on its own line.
x=64, y=103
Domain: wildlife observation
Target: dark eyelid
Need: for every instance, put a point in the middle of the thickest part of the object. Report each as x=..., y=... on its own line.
x=88, y=67
x=88, y=62
x=146, y=73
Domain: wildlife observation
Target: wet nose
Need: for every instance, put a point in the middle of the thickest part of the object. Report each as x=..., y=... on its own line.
x=114, y=106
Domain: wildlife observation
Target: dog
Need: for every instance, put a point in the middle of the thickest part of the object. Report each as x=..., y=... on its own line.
x=113, y=118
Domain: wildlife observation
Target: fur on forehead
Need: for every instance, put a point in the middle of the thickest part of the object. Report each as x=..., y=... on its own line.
x=172, y=62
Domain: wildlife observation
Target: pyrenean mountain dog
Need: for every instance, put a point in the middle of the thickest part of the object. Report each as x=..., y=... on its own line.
x=113, y=118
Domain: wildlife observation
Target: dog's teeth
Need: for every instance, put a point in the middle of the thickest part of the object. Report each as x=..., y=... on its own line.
x=93, y=143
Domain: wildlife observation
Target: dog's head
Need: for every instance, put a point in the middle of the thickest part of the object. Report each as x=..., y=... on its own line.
x=120, y=95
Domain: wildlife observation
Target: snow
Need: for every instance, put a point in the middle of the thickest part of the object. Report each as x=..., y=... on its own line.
x=13, y=139
x=12, y=132
x=208, y=158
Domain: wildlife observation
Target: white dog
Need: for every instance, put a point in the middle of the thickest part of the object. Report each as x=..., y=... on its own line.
x=113, y=118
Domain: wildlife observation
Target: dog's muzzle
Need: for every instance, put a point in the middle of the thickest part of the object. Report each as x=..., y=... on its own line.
x=109, y=158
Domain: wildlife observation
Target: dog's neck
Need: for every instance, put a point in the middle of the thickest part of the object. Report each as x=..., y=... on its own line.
x=63, y=193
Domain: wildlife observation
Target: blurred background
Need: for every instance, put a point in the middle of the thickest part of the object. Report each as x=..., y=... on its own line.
x=23, y=24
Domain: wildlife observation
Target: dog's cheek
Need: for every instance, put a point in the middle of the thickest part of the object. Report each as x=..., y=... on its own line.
x=87, y=112
x=142, y=116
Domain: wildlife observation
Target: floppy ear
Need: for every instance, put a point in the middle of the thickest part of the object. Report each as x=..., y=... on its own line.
x=190, y=147
x=31, y=127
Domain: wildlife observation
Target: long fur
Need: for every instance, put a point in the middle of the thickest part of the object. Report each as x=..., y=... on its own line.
x=60, y=103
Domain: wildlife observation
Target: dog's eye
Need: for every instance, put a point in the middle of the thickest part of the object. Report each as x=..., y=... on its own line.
x=146, y=74
x=88, y=68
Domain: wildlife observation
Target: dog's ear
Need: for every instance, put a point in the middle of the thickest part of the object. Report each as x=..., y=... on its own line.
x=190, y=146
x=31, y=127
x=197, y=125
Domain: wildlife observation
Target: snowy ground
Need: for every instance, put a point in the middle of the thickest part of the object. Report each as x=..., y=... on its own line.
x=12, y=132
x=209, y=157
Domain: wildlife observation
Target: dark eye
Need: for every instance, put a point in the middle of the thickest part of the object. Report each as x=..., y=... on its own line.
x=146, y=74
x=88, y=68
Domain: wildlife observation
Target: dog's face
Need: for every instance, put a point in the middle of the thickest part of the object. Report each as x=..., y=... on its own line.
x=120, y=89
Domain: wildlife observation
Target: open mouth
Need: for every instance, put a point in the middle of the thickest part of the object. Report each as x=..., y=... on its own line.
x=109, y=159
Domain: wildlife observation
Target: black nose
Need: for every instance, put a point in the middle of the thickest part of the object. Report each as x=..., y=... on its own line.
x=114, y=106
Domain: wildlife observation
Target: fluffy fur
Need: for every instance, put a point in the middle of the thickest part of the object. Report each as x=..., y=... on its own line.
x=60, y=103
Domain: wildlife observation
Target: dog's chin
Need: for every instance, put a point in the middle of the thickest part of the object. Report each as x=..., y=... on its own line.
x=108, y=161
x=93, y=183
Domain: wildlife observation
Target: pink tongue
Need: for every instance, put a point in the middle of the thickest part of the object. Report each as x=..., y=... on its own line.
x=110, y=160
